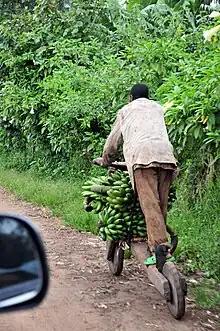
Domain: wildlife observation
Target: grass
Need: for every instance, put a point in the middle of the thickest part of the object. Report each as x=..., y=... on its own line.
x=199, y=231
x=62, y=197
x=206, y=294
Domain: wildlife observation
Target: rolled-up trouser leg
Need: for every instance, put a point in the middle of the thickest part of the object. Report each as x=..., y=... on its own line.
x=146, y=182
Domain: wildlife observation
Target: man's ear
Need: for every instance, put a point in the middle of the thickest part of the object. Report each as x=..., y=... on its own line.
x=130, y=98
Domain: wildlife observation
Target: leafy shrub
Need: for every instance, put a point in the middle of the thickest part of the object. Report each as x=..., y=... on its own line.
x=194, y=117
x=64, y=75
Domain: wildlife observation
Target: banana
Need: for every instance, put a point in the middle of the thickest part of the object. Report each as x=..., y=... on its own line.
x=104, y=178
x=87, y=193
x=101, y=217
x=141, y=228
x=99, y=207
x=116, y=187
x=135, y=220
x=113, y=231
x=107, y=230
x=118, y=183
x=125, y=186
x=111, y=220
x=90, y=193
x=111, y=226
x=119, y=200
x=110, y=180
x=86, y=188
x=143, y=224
x=113, y=213
x=103, y=236
x=118, y=222
x=116, y=193
x=119, y=226
x=96, y=179
x=142, y=234
x=117, y=216
x=109, y=210
x=91, y=182
x=110, y=193
x=120, y=207
x=116, y=176
x=111, y=201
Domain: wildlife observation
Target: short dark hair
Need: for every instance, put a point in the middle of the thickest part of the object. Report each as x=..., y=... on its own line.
x=139, y=91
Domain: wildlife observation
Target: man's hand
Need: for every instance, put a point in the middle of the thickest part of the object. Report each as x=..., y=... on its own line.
x=98, y=161
x=111, y=171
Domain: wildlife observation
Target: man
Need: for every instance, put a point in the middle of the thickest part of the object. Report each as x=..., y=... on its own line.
x=148, y=153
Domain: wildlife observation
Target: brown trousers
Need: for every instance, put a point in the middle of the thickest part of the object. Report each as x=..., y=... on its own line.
x=152, y=186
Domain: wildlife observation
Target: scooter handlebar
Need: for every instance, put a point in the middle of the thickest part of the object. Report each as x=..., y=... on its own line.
x=116, y=165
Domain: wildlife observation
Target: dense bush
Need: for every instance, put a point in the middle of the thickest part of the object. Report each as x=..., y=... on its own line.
x=194, y=118
x=64, y=74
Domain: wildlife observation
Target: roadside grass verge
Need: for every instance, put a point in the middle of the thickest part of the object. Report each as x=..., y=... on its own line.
x=64, y=198
x=206, y=293
x=198, y=227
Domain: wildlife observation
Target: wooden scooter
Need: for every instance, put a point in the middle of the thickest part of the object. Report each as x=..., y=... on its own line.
x=170, y=283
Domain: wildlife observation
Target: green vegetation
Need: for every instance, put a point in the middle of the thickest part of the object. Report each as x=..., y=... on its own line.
x=64, y=74
x=62, y=197
x=199, y=231
x=206, y=293
x=66, y=68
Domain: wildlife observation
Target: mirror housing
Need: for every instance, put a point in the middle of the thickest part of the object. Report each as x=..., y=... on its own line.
x=24, y=274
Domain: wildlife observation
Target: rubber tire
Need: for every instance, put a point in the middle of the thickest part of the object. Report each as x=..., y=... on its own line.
x=177, y=304
x=117, y=260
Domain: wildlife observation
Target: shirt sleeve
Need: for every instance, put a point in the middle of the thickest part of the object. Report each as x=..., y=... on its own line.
x=112, y=143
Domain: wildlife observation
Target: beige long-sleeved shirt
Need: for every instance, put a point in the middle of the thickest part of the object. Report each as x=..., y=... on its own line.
x=140, y=126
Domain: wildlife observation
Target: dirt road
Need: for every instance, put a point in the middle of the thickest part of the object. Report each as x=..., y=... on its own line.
x=83, y=295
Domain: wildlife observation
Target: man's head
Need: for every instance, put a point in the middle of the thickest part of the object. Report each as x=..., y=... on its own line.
x=139, y=91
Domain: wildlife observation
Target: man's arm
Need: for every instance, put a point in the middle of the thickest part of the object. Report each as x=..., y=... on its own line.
x=112, y=143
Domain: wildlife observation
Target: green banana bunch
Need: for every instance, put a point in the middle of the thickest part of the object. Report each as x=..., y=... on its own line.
x=111, y=223
x=95, y=191
x=121, y=194
x=113, y=199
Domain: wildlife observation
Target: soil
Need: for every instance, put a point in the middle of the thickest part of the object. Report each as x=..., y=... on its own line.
x=84, y=296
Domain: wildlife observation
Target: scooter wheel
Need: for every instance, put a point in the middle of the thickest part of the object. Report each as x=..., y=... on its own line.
x=115, y=257
x=176, y=304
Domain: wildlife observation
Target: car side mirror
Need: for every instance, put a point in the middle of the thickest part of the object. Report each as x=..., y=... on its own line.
x=24, y=275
